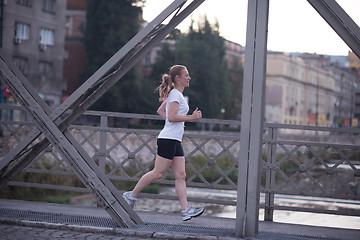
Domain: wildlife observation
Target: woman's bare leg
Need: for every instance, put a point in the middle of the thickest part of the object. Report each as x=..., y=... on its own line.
x=178, y=167
x=161, y=165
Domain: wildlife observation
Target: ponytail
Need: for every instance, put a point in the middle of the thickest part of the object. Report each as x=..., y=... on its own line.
x=165, y=87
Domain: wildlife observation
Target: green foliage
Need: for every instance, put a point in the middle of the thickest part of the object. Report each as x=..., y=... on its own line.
x=165, y=59
x=233, y=108
x=60, y=199
x=309, y=154
x=289, y=167
x=152, y=188
x=202, y=51
x=36, y=194
x=355, y=156
x=109, y=26
x=211, y=173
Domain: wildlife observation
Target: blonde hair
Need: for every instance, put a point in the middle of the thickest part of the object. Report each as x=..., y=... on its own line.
x=168, y=81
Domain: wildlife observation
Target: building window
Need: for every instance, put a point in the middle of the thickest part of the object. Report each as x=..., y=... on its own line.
x=45, y=69
x=22, y=64
x=46, y=37
x=49, y=6
x=22, y=31
x=24, y=2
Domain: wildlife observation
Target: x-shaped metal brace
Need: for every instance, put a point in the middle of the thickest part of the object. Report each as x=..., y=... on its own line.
x=54, y=128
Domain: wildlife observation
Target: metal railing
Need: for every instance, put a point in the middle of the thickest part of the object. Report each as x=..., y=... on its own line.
x=297, y=160
x=311, y=161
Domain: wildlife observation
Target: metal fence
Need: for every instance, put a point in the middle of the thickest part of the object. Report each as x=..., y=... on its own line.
x=296, y=160
x=311, y=161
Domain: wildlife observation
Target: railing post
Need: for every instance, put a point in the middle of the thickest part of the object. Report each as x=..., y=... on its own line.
x=102, y=144
x=270, y=174
x=357, y=177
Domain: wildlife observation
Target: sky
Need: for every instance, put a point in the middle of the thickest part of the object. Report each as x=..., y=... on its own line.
x=294, y=25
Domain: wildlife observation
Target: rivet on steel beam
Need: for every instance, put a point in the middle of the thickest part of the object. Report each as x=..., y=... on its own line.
x=212, y=162
x=329, y=171
x=302, y=168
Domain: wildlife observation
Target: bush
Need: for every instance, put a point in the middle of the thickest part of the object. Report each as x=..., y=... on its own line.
x=211, y=173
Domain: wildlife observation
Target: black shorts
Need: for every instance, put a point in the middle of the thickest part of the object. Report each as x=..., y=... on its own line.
x=169, y=148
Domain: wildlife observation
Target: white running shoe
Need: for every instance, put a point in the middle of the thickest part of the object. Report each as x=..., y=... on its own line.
x=129, y=199
x=191, y=212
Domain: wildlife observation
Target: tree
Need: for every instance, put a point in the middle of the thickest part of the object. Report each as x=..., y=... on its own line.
x=166, y=57
x=164, y=60
x=109, y=26
x=236, y=72
x=202, y=50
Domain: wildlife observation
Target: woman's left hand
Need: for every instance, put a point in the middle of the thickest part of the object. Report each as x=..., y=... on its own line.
x=197, y=114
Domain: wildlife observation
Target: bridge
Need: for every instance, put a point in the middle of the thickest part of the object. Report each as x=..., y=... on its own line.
x=260, y=158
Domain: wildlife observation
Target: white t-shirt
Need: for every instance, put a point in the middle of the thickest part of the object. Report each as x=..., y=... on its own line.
x=174, y=130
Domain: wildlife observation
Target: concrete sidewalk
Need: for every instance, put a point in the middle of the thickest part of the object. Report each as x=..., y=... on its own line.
x=34, y=219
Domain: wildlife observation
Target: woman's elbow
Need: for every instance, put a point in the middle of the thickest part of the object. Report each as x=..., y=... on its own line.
x=171, y=119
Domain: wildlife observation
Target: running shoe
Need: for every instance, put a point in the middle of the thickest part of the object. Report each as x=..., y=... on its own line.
x=129, y=199
x=191, y=212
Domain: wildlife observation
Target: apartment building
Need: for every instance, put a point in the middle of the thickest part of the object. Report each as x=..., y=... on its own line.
x=354, y=64
x=33, y=36
x=354, y=61
x=298, y=92
x=234, y=54
x=345, y=88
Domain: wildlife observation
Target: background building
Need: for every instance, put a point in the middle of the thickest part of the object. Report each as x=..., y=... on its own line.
x=344, y=88
x=354, y=64
x=33, y=36
x=298, y=92
x=354, y=61
x=44, y=39
x=234, y=54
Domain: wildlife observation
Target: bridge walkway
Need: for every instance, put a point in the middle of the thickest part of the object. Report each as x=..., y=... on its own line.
x=20, y=218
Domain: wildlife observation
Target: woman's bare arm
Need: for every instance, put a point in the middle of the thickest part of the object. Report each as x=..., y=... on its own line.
x=173, y=117
x=162, y=110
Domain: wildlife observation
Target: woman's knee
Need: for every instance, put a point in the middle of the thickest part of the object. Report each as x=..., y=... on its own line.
x=180, y=175
x=158, y=175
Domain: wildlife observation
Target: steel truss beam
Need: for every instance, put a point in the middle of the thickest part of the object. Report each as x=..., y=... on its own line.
x=116, y=206
x=252, y=118
x=55, y=130
x=76, y=100
x=340, y=21
x=111, y=79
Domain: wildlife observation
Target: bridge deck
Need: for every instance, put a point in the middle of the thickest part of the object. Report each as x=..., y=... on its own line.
x=157, y=225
